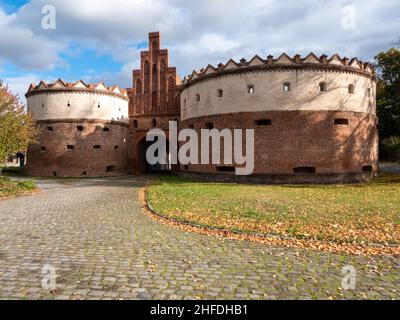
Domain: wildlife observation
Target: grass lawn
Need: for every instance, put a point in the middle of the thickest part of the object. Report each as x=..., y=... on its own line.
x=359, y=213
x=10, y=188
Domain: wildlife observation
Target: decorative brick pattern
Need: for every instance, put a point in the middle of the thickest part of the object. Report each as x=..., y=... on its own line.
x=154, y=99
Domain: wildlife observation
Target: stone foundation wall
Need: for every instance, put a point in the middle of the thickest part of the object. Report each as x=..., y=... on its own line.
x=79, y=148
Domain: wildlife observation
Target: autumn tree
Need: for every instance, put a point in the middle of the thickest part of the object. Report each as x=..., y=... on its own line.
x=17, y=128
x=388, y=92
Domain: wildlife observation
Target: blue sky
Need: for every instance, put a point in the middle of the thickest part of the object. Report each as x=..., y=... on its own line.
x=101, y=40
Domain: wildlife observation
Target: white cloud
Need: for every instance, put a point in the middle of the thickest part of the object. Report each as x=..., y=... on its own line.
x=24, y=48
x=19, y=85
x=196, y=32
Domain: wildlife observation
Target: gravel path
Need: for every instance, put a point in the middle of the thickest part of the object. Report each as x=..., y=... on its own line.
x=102, y=246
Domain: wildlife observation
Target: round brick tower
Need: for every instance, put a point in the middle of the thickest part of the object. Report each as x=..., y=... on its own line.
x=84, y=130
x=314, y=118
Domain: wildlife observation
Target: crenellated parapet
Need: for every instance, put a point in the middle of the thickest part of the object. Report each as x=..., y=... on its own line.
x=283, y=62
x=61, y=100
x=79, y=86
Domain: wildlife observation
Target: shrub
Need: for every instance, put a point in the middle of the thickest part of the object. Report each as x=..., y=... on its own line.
x=390, y=149
x=26, y=185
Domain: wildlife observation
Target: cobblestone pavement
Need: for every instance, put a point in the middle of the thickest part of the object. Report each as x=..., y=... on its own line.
x=103, y=246
x=390, y=167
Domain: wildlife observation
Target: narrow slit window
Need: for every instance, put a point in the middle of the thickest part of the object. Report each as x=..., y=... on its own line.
x=307, y=170
x=135, y=124
x=251, y=89
x=342, y=121
x=154, y=123
x=226, y=169
x=220, y=93
x=198, y=98
x=264, y=122
x=351, y=88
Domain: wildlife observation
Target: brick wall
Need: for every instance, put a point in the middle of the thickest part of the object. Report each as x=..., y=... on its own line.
x=75, y=149
x=298, y=139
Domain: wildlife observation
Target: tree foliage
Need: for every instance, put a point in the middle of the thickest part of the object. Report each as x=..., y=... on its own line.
x=388, y=92
x=17, y=127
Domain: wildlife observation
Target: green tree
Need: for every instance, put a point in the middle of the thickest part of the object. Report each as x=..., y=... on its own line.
x=17, y=127
x=388, y=92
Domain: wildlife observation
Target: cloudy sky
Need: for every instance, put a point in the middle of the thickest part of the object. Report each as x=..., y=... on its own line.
x=100, y=40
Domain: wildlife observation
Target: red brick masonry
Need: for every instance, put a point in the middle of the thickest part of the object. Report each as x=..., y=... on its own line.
x=75, y=148
x=300, y=146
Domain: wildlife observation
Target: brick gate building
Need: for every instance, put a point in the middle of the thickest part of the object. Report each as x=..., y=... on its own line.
x=314, y=118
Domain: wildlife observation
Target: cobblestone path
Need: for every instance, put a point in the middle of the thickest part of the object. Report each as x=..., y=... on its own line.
x=102, y=246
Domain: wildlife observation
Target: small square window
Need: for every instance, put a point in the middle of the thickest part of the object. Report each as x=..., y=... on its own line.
x=79, y=128
x=70, y=147
x=220, y=93
x=351, y=88
x=106, y=129
x=286, y=87
x=322, y=87
x=367, y=168
x=251, y=89
x=110, y=169
x=198, y=98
